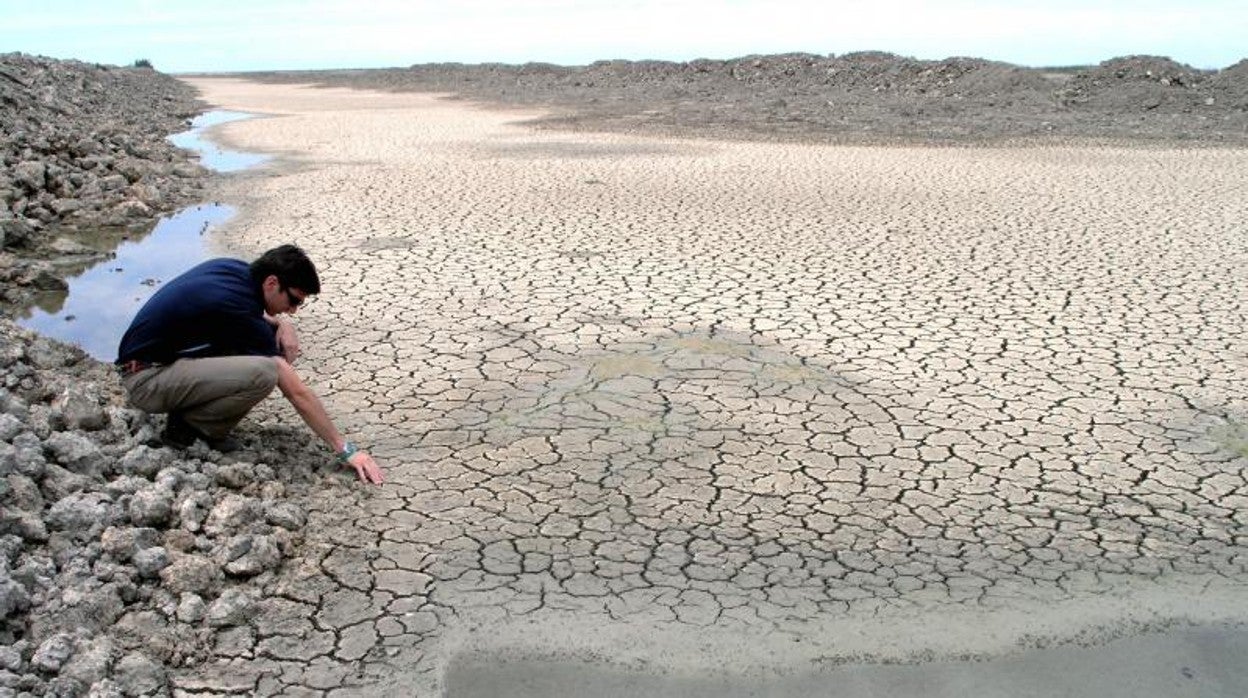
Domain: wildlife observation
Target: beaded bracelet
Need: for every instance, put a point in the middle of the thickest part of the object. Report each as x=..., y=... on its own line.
x=348, y=450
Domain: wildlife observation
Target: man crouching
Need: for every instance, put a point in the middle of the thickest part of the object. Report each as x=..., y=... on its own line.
x=209, y=346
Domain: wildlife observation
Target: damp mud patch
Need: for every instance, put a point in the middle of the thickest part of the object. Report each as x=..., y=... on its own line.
x=1213, y=433
x=1232, y=436
x=386, y=243
x=1205, y=662
x=668, y=386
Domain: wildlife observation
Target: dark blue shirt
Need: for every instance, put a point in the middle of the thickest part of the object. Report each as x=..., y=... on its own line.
x=213, y=309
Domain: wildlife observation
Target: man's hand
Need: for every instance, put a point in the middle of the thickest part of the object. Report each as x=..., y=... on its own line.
x=287, y=341
x=365, y=467
x=309, y=407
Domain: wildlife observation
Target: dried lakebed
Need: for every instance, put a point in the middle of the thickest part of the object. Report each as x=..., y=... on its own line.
x=689, y=409
x=709, y=405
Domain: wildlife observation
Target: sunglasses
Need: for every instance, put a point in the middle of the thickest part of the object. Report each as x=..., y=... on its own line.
x=294, y=302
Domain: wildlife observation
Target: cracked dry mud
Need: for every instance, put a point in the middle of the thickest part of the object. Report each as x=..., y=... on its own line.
x=717, y=406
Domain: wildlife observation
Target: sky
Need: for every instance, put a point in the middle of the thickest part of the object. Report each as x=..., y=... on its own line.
x=231, y=35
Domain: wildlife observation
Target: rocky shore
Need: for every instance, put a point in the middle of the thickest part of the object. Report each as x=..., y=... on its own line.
x=84, y=148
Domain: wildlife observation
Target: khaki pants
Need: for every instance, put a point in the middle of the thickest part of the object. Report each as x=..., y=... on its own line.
x=211, y=394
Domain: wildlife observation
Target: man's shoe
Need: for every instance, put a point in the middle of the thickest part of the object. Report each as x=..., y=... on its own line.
x=181, y=435
x=177, y=433
x=225, y=444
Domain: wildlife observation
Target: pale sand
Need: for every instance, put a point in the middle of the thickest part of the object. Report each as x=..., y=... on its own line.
x=706, y=407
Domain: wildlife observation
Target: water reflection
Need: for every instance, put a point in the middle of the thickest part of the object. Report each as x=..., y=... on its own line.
x=102, y=300
x=211, y=155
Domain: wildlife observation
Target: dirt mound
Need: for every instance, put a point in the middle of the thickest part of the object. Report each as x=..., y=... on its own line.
x=1135, y=83
x=1158, y=69
x=1230, y=86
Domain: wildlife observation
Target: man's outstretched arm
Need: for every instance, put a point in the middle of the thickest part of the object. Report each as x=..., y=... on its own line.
x=309, y=406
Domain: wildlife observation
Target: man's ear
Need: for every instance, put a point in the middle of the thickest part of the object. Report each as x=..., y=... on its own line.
x=272, y=283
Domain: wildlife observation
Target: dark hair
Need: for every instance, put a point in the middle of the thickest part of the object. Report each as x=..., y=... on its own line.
x=290, y=265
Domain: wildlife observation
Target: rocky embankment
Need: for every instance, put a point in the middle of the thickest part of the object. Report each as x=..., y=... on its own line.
x=120, y=561
x=869, y=97
x=84, y=147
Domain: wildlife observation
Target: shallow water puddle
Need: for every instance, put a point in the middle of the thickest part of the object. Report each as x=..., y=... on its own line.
x=102, y=299
x=211, y=155
x=96, y=310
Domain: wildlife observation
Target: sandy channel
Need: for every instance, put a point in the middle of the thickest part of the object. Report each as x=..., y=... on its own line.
x=656, y=412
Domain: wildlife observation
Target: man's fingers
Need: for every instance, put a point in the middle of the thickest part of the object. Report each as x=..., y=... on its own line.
x=367, y=469
x=374, y=472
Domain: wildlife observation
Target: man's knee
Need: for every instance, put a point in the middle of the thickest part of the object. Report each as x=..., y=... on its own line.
x=264, y=376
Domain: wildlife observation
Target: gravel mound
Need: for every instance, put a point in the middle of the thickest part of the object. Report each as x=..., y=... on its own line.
x=1231, y=85
x=83, y=146
x=1139, y=83
x=120, y=561
x=865, y=97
